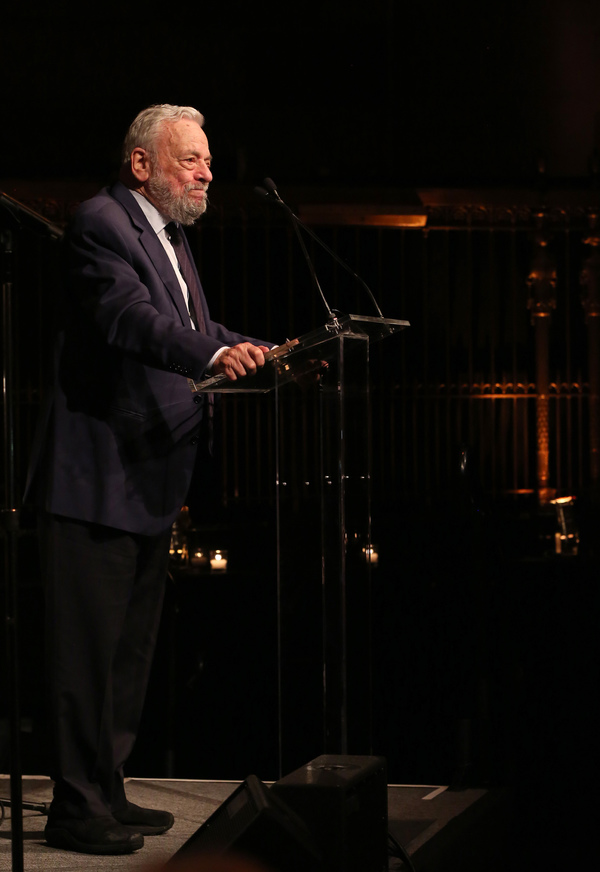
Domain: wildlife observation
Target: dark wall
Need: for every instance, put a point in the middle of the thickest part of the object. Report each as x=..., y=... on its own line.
x=431, y=93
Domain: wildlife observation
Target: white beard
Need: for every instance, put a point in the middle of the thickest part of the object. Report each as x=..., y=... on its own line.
x=175, y=205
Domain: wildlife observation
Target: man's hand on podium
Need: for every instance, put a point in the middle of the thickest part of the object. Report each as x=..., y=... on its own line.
x=240, y=360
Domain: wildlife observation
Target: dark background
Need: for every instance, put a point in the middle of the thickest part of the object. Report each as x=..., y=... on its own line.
x=314, y=92
x=353, y=94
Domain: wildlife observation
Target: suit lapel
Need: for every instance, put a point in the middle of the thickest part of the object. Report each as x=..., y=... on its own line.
x=153, y=248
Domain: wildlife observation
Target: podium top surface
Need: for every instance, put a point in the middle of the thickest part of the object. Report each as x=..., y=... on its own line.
x=297, y=357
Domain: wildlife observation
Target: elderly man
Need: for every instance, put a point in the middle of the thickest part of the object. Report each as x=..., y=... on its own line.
x=114, y=463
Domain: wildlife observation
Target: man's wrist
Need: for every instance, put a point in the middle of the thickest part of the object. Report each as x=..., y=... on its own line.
x=214, y=358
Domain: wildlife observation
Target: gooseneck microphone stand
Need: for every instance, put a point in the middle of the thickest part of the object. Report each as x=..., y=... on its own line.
x=19, y=217
x=271, y=194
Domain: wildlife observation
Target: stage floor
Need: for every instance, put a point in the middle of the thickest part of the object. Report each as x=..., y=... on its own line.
x=441, y=829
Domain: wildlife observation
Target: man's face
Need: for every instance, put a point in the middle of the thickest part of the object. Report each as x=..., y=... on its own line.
x=180, y=175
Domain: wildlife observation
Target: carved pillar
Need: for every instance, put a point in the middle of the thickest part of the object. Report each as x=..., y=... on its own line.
x=590, y=283
x=541, y=282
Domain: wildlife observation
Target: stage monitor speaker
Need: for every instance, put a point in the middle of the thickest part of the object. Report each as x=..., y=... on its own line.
x=258, y=825
x=343, y=802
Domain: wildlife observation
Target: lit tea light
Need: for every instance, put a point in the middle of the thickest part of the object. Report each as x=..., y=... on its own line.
x=198, y=557
x=218, y=561
x=371, y=555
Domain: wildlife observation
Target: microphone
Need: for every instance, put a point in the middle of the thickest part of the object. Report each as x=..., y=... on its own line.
x=271, y=193
x=272, y=189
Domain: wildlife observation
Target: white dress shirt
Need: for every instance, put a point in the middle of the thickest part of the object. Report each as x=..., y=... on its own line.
x=158, y=222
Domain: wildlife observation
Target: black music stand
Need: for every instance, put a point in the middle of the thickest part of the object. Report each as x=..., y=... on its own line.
x=19, y=217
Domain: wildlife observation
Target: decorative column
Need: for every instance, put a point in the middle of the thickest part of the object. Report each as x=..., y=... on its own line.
x=590, y=283
x=541, y=282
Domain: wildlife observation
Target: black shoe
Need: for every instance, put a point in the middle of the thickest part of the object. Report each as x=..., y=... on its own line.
x=148, y=821
x=101, y=835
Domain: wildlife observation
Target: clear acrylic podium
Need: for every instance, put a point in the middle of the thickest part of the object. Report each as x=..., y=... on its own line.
x=325, y=558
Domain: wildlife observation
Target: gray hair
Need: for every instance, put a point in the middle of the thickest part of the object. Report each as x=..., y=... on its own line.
x=145, y=128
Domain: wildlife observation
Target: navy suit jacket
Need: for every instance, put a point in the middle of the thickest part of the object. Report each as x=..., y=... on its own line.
x=119, y=442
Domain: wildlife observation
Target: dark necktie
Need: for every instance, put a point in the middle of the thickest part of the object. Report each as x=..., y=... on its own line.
x=195, y=307
x=187, y=271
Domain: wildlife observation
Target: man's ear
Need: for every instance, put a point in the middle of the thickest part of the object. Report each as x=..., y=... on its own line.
x=140, y=164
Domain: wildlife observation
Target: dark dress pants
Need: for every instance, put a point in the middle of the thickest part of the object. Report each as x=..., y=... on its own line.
x=104, y=594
